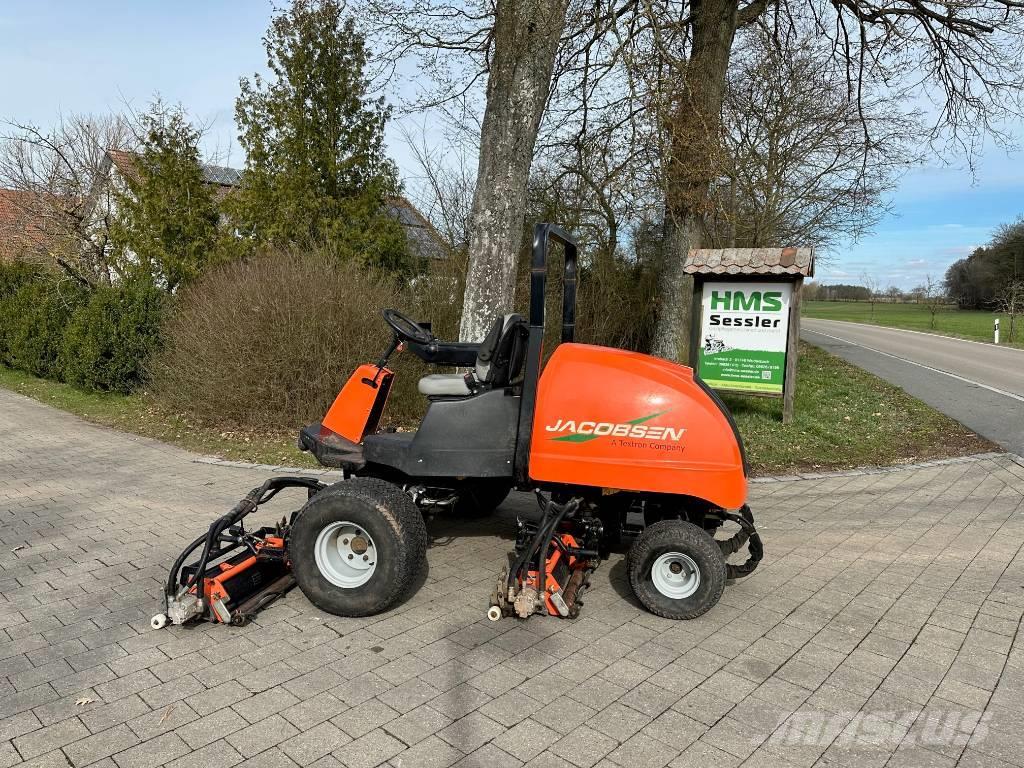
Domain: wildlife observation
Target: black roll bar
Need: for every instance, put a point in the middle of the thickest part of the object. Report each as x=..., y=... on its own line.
x=543, y=234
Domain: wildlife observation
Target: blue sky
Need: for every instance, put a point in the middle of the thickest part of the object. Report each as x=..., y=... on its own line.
x=940, y=214
x=94, y=56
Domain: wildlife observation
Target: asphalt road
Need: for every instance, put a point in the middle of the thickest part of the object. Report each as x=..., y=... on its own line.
x=979, y=385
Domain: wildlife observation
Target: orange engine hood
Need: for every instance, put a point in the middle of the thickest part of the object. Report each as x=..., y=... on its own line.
x=609, y=418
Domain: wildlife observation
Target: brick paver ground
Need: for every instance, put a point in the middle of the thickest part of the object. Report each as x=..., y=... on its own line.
x=881, y=629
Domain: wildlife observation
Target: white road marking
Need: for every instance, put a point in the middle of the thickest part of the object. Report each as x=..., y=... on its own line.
x=920, y=365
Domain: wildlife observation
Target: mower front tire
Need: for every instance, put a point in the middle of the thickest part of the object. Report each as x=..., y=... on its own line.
x=358, y=547
x=676, y=569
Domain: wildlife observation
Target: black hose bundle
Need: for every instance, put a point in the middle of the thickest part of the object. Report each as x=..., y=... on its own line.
x=541, y=542
x=747, y=533
x=566, y=510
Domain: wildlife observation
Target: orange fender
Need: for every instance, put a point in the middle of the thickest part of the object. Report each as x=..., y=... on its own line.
x=609, y=418
x=357, y=409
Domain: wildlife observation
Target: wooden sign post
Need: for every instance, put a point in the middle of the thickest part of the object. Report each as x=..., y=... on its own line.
x=746, y=319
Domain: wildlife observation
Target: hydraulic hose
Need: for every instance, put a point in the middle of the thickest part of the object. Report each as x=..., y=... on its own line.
x=571, y=506
x=746, y=535
x=541, y=543
x=527, y=553
x=221, y=524
x=172, y=577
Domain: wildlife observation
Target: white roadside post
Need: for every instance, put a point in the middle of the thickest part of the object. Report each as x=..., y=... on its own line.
x=997, y=330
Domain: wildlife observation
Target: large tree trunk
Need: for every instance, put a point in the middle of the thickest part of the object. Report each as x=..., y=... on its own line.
x=526, y=35
x=692, y=164
x=675, y=288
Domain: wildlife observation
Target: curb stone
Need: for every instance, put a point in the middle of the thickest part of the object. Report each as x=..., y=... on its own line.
x=336, y=475
x=331, y=474
x=894, y=468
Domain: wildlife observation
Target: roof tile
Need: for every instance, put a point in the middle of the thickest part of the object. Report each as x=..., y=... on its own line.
x=22, y=224
x=751, y=261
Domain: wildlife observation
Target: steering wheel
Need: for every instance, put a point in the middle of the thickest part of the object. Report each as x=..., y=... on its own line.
x=405, y=328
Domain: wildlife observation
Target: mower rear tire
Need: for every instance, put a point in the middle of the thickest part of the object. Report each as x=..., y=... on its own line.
x=676, y=569
x=358, y=547
x=482, y=497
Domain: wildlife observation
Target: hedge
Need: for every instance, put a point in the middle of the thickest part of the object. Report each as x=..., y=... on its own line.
x=33, y=314
x=109, y=338
x=94, y=339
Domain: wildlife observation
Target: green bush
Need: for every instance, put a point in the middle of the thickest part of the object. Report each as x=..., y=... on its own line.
x=34, y=311
x=109, y=338
x=13, y=275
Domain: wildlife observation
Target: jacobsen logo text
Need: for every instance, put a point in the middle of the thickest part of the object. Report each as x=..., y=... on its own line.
x=582, y=431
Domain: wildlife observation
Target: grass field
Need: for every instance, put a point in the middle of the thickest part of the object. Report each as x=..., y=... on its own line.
x=844, y=417
x=949, y=321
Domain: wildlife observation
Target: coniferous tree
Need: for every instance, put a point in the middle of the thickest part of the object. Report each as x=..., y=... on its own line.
x=166, y=223
x=316, y=170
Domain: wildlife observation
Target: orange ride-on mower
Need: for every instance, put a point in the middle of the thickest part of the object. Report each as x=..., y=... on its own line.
x=613, y=443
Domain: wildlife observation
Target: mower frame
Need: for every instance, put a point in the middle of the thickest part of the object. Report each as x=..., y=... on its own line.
x=476, y=442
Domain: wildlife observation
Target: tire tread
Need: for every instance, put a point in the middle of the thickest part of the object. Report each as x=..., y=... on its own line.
x=670, y=533
x=402, y=514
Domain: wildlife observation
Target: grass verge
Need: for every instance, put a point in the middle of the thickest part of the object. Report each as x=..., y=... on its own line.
x=844, y=418
x=137, y=414
x=949, y=321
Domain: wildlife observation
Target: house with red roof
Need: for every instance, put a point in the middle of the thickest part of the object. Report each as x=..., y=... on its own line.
x=25, y=231
x=422, y=238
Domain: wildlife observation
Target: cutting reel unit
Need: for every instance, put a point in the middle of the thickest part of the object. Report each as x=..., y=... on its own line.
x=550, y=568
x=238, y=572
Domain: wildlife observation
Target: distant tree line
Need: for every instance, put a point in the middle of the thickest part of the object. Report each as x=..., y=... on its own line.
x=979, y=280
x=815, y=291
x=929, y=289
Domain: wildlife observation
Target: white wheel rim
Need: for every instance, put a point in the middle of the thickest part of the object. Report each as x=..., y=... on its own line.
x=345, y=554
x=675, y=575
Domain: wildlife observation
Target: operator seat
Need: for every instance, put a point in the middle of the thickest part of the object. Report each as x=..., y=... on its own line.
x=498, y=360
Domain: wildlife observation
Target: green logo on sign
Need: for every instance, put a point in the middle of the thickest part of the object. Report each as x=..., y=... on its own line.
x=738, y=301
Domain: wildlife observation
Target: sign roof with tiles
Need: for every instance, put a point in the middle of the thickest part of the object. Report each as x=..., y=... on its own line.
x=750, y=261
